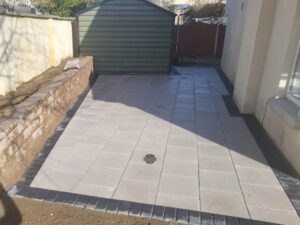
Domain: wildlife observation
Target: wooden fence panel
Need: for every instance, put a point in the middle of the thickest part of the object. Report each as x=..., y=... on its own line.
x=198, y=40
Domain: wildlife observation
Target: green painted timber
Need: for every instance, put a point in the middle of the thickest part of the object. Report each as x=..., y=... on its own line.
x=126, y=29
x=126, y=49
x=123, y=13
x=131, y=70
x=128, y=54
x=126, y=40
x=125, y=18
x=124, y=24
x=130, y=65
x=129, y=60
x=98, y=44
x=83, y=35
x=126, y=36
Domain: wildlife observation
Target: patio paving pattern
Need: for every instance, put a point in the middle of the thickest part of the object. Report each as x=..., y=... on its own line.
x=206, y=160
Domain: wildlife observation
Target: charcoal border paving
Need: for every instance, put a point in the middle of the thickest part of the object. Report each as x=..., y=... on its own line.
x=102, y=204
x=207, y=219
x=61, y=197
x=158, y=212
x=219, y=220
x=92, y=203
x=124, y=207
x=113, y=206
x=147, y=210
x=182, y=215
x=136, y=209
x=194, y=217
x=51, y=196
x=23, y=190
x=81, y=201
x=71, y=199
x=168, y=214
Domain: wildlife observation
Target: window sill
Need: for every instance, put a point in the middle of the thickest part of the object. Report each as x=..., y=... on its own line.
x=287, y=109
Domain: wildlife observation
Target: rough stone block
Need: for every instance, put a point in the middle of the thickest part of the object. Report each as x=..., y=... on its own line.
x=35, y=117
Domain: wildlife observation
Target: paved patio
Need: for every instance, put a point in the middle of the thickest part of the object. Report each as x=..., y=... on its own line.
x=205, y=159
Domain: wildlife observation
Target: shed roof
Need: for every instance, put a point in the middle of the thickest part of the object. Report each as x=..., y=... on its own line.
x=144, y=1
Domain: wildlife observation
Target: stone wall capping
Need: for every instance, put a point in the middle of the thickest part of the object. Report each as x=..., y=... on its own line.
x=8, y=125
x=34, y=120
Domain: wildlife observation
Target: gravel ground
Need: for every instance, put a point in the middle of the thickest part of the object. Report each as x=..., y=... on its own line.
x=15, y=211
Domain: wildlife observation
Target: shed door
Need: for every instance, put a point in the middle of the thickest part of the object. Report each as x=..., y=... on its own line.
x=126, y=36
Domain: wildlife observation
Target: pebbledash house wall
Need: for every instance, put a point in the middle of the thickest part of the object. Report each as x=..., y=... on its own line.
x=30, y=44
x=258, y=57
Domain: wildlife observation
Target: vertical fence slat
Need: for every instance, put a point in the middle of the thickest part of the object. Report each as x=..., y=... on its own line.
x=200, y=40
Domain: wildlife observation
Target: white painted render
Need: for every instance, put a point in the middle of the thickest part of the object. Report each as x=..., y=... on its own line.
x=29, y=46
x=260, y=67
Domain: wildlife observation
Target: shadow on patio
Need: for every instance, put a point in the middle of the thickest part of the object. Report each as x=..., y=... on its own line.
x=206, y=158
x=188, y=111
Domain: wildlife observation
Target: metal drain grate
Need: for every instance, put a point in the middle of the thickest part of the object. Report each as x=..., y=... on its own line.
x=149, y=158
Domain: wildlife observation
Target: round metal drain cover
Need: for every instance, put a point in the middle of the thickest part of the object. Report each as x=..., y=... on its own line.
x=149, y=158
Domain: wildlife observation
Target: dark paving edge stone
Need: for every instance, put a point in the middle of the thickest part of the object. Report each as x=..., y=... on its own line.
x=113, y=206
x=92, y=203
x=170, y=214
x=285, y=173
x=158, y=212
x=135, y=209
x=122, y=207
x=102, y=204
x=22, y=189
x=182, y=216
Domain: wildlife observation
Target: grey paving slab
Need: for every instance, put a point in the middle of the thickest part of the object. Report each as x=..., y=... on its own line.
x=59, y=180
x=258, y=176
x=213, y=150
x=179, y=186
x=274, y=216
x=136, y=190
x=214, y=180
x=94, y=190
x=222, y=202
x=206, y=159
x=143, y=171
x=266, y=196
x=103, y=176
x=180, y=168
x=221, y=164
x=177, y=201
x=182, y=154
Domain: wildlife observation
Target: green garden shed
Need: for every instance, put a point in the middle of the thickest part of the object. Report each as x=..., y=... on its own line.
x=126, y=36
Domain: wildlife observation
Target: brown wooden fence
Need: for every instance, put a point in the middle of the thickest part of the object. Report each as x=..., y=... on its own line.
x=199, y=40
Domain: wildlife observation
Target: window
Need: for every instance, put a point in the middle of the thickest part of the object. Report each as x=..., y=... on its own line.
x=294, y=88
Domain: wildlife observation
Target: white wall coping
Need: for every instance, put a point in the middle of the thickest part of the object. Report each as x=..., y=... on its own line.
x=37, y=16
x=287, y=109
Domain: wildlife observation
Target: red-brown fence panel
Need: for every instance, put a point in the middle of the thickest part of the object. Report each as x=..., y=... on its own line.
x=199, y=40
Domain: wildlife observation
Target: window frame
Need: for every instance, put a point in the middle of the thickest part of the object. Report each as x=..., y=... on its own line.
x=288, y=93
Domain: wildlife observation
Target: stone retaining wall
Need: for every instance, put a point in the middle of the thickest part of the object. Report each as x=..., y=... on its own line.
x=23, y=133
